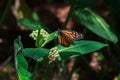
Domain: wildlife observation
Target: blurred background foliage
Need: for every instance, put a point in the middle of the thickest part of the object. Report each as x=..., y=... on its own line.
x=101, y=65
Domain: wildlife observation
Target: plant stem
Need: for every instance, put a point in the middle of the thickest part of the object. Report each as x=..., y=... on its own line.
x=69, y=14
x=70, y=75
x=3, y=17
x=38, y=38
x=35, y=69
x=7, y=60
x=61, y=67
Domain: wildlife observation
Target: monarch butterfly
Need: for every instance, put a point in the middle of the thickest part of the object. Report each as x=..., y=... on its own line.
x=66, y=37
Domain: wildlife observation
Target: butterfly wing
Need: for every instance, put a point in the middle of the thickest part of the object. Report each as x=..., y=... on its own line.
x=67, y=37
x=78, y=36
x=64, y=37
x=63, y=41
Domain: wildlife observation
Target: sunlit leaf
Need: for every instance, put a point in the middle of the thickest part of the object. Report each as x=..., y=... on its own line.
x=95, y=23
x=21, y=64
x=79, y=48
x=23, y=74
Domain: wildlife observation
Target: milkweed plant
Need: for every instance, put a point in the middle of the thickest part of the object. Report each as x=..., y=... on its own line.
x=59, y=53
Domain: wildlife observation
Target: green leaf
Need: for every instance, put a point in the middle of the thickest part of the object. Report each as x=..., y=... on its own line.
x=18, y=45
x=79, y=48
x=35, y=16
x=51, y=37
x=21, y=61
x=23, y=74
x=30, y=24
x=100, y=57
x=119, y=77
x=95, y=23
x=21, y=64
x=35, y=53
x=40, y=40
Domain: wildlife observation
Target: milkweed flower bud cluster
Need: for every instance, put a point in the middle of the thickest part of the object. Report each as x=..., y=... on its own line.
x=40, y=59
x=34, y=34
x=43, y=33
x=53, y=55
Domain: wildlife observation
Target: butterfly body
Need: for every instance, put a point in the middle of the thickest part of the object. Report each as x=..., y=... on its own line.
x=66, y=37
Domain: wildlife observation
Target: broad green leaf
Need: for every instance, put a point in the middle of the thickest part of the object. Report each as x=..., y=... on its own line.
x=119, y=77
x=18, y=45
x=23, y=74
x=79, y=48
x=30, y=24
x=17, y=50
x=35, y=53
x=20, y=62
x=95, y=23
x=51, y=37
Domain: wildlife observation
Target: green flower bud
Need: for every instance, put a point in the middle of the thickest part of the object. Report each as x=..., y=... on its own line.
x=43, y=33
x=40, y=59
x=34, y=34
x=53, y=55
